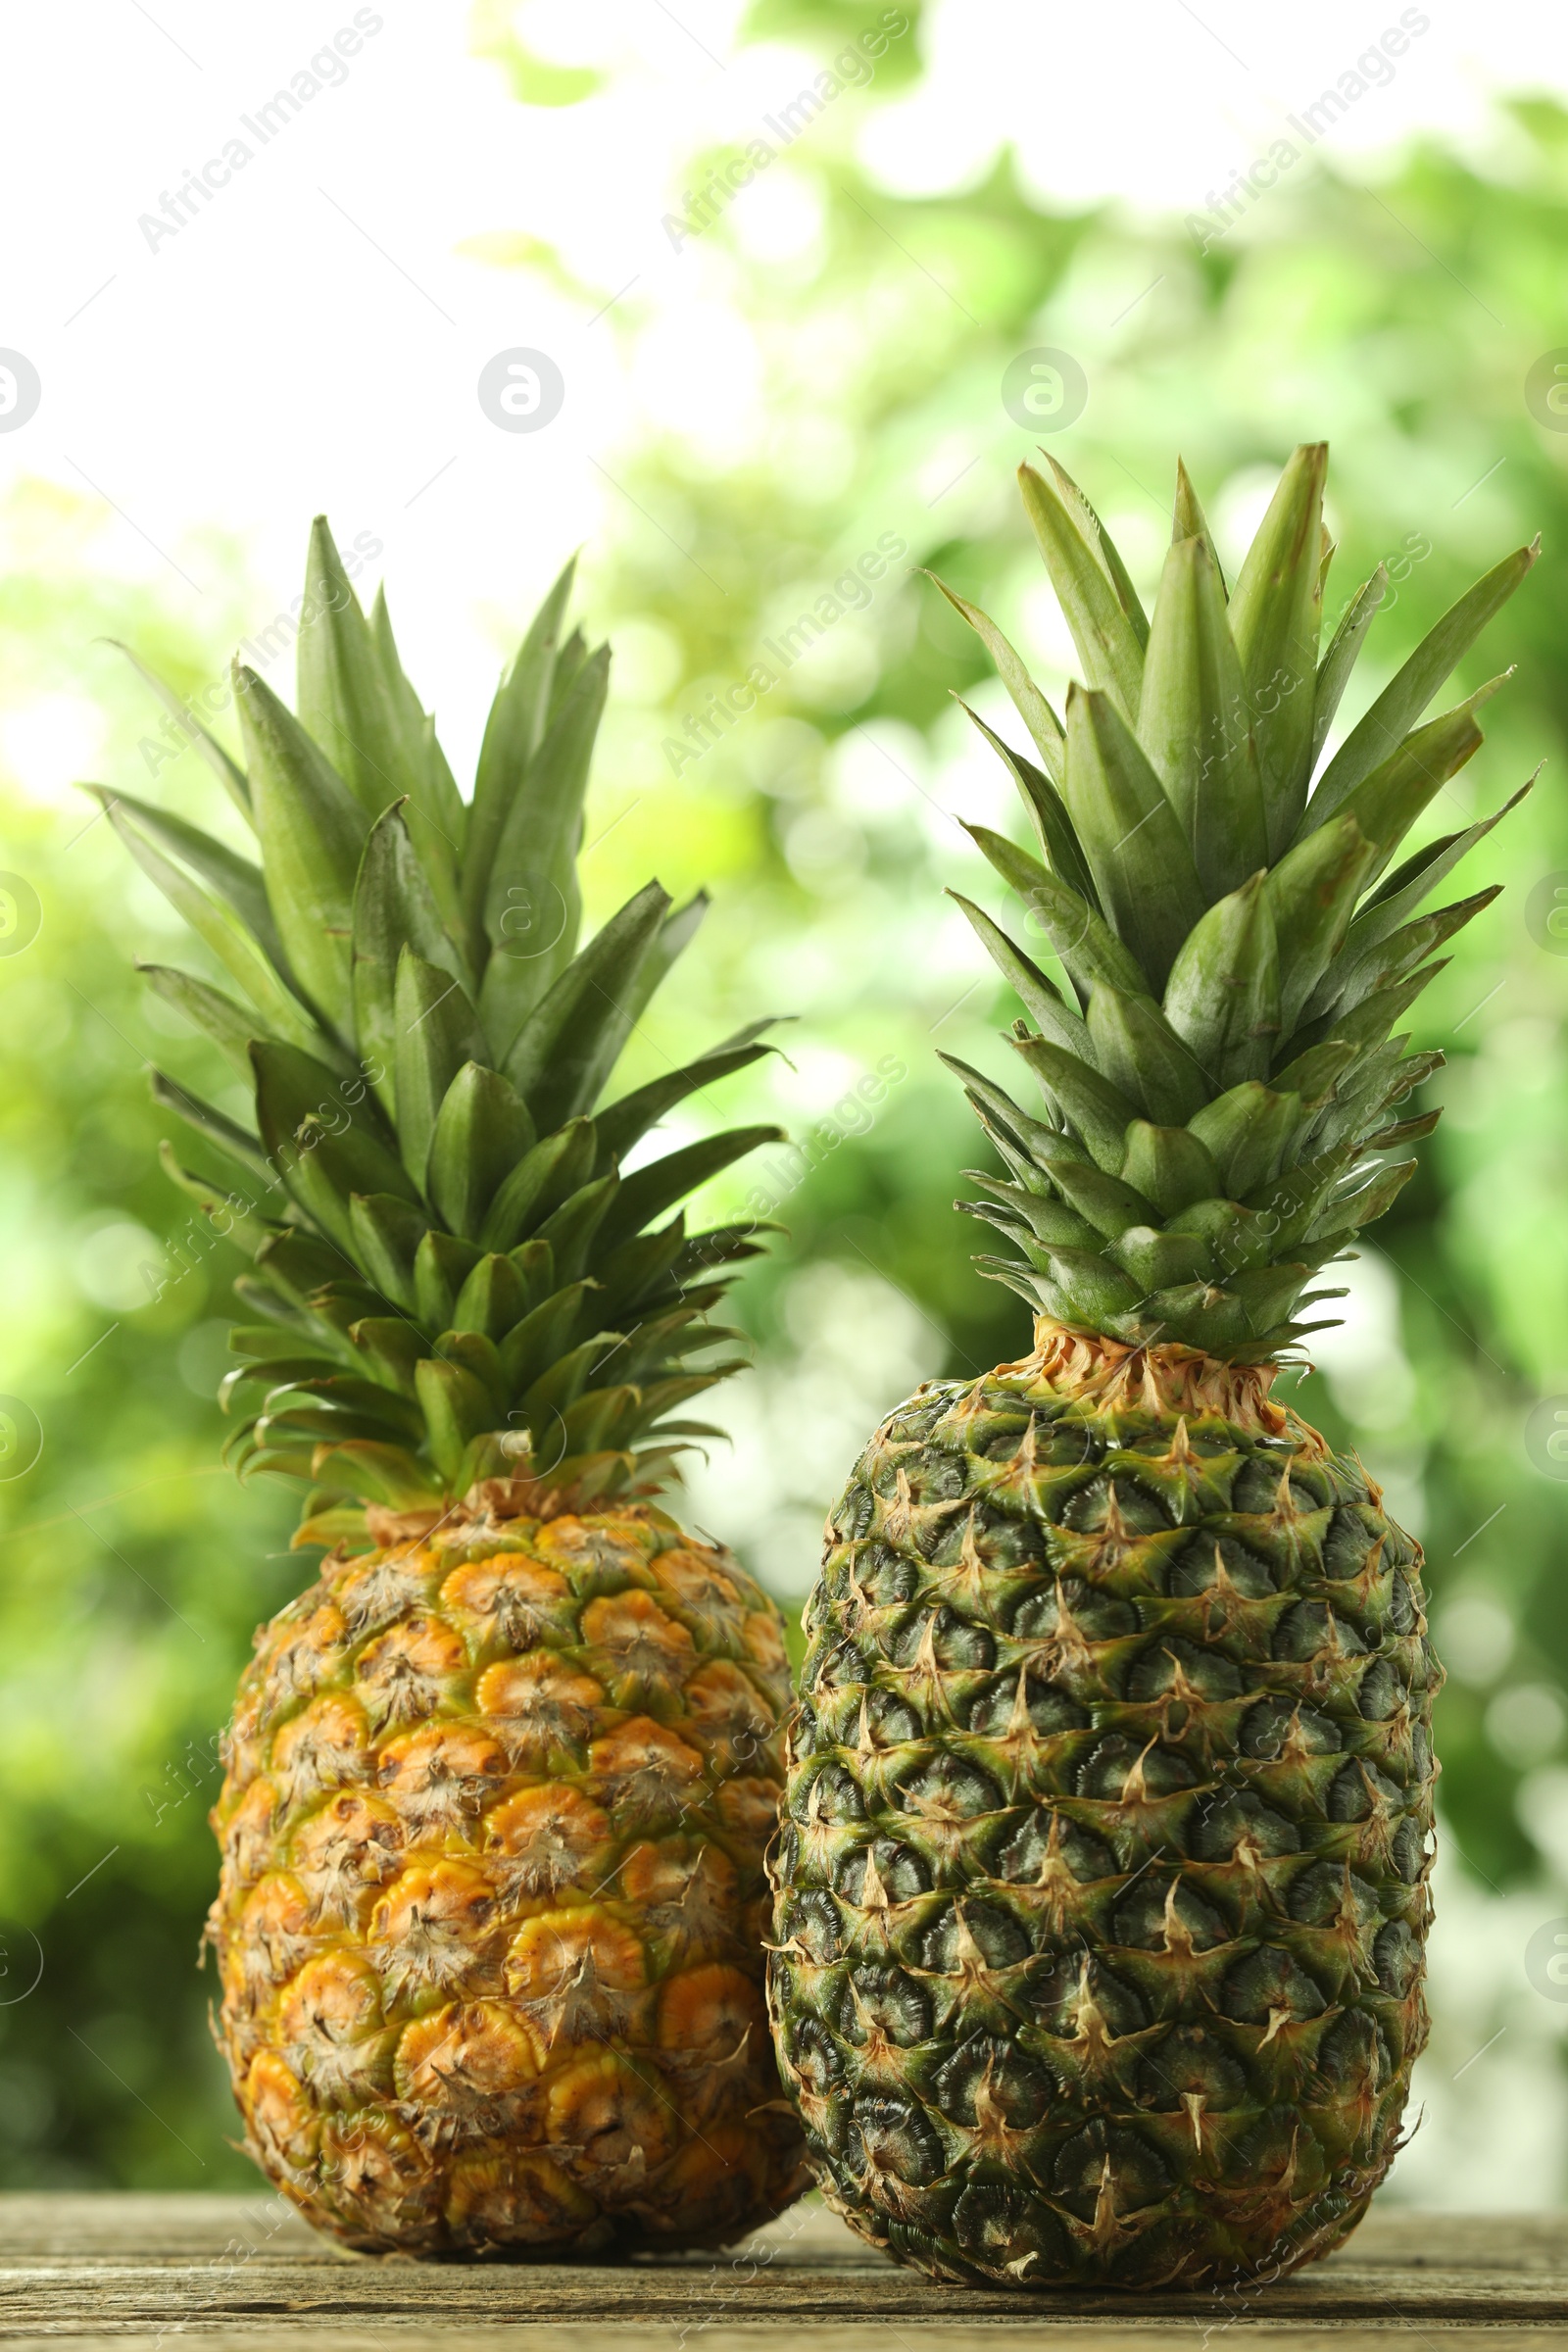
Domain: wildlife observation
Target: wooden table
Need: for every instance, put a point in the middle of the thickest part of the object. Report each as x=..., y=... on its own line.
x=177, y=2274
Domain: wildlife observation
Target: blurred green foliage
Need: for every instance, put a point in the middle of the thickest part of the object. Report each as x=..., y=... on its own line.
x=1401, y=324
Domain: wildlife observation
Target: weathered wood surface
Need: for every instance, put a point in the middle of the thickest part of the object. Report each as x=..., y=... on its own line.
x=187, y=2272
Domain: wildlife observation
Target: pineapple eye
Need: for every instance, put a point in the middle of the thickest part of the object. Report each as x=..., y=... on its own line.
x=1347, y=1799
x=1120, y=1496
x=815, y=2054
x=884, y=2000
x=1189, y=2064
x=1266, y=1982
x=1396, y=1956
x=1026, y=1853
x=1114, y=1762
x=1067, y=1446
x=885, y=1576
x=948, y=1788
x=893, y=1720
x=833, y=1795
x=1062, y=1996
x=1209, y=1558
x=1355, y=2052
x=1168, y=1664
x=1073, y=1607
x=987, y=2076
x=1257, y=1484
x=891, y=2136
x=1081, y=2169
x=1275, y=1724
x=803, y=1736
x=955, y=1643
x=1353, y=1531
x=1319, y=1896
x=811, y=1920
x=1141, y=1916
x=854, y=1512
x=1217, y=1826
x=1008, y=2233
x=915, y=1421
x=1382, y=1693
x=842, y=1669
x=936, y=1477
x=1310, y=1629
x=900, y=1868
x=964, y=1927
x=1049, y=1710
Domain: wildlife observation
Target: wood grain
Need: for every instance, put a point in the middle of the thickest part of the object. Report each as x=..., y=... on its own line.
x=179, y=2273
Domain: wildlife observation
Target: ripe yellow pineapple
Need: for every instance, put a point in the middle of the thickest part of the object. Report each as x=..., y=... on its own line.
x=490, y=1921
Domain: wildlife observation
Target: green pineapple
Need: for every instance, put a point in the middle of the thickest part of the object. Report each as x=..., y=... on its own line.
x=1103, y=1878
x=499, y=1782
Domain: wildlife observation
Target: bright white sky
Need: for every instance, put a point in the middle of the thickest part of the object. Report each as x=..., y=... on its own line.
x=314, y=338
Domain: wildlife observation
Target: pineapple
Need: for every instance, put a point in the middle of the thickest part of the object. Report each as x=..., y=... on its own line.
x=1101, y=1877
x=500, y=1782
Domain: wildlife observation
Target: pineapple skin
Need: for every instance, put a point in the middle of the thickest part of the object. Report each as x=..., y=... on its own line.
x=1101, y=1879
x=489, y=1926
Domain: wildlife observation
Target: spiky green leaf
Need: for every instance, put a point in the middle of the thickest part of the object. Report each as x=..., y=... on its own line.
x=1275, y=619
x=1107, y=640
x=311, y=833
x=1195, y=724
x=1131, y=836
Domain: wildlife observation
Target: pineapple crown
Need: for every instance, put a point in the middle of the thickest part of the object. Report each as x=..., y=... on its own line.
x=453, y=1280
x=1220, y=1079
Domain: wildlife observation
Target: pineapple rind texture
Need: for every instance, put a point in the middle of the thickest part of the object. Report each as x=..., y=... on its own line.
x=492, y=1907
x=1102, y=1879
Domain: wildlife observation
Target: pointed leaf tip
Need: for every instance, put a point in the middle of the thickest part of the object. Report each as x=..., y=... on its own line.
x=1275, y=615
x=1102, y=608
